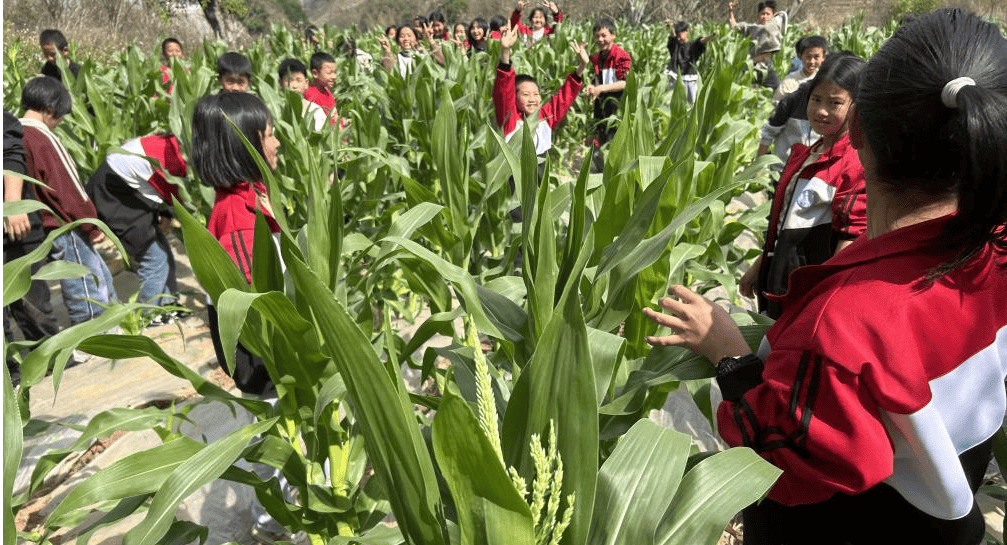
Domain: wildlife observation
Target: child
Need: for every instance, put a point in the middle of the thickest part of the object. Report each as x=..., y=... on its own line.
x=171, y=48
x=766, y=35
x=879, y=391
x=420, y=24
x=517, y=97
x=787, y=126
x=811, y=50
x=46, y=101
x=52, y=42
x=234, y=72
x=133, y=197
x=438, y=26
x=684, y=55
x=294, y=77
x=611, y=67
x=459, y=35
x=408, y=49
x=391, y=31
x=537, y=19
x=497, y=23
x=819, y=205
x=478, y=32
x=323, y=77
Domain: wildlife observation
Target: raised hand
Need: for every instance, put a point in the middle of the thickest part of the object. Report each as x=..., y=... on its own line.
x=553, y=8
x=520, y=5
x=582, y=56
x=383, y=40
x=508, y=37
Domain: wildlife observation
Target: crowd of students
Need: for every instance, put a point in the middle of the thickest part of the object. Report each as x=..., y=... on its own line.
x=889, y=202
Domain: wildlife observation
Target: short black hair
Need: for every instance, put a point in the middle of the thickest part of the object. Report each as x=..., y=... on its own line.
x=436, y=16
x=310, y=31
x=420, y=19
x=218, y=155
x=524, y=78
x=292, y=66
x=771, y=4
x=605, y=23
x=319, y=59
x=843, y=69
x=811, y=42
x=234, y=63
x=47, y=95
x=55, y=37
x=164, y=45
x=497, y=22
x=681, y=26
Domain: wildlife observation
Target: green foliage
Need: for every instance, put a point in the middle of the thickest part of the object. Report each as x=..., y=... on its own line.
x=901, y=8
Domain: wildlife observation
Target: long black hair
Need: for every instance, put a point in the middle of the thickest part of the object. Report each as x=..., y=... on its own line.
x=927, y=149
x=218, y=154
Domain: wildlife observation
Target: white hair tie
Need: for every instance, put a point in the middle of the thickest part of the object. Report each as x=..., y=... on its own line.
x=949, y=96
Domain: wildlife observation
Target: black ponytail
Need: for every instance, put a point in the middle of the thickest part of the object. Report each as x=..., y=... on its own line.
x=926, y=149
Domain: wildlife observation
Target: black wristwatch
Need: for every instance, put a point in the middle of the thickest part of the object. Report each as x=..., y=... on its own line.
x=730, y=364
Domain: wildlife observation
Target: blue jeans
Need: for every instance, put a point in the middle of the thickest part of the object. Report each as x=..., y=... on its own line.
x=71, y=247
x=156, y=269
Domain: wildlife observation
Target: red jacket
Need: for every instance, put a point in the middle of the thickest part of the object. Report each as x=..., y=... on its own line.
x=232, y=220
x=875, y=375
x=828, y=203
x=324, y=99
x=48, y=161
x=552, y=112
x=515, y=22
x=615, y=68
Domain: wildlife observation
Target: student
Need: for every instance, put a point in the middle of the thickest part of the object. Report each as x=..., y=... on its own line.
x=419, y=26
x=497, y=23
x=459, y=35
x=408, y=50
x=477, y=34
x=54, y=44
x=223, y=163
x=323, y=77
x=879, y=390
x=819, y=205
x=33, y=313
x=787, y=126
x=46, y=101
x=293, y=76
x=811, y=50
x=134, y=198
x=611, y=67
x=391, y=31
x=311, y=34
x=684, y=55
x=234, y=72
x=766, y=35
x=537, y=19
x=438, y=26
x=517, y=97
x=171, y=48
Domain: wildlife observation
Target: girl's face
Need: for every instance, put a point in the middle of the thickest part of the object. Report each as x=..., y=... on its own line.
x=407, y=38
x=391, y=33
x=827, y=109
x=477, y=32
x=460, y=32
x=270, y=145
x=538, y=19
x=171, y=49
x=438, y=28
x=765, y=15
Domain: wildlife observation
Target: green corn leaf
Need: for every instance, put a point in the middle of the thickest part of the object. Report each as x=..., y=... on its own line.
x=198, y=470
x=13, y=447
x=490, y=510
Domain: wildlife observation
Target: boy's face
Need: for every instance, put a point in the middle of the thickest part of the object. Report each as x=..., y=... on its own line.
x=528, y=97
x=765, y=14
x=812, y=59
x=234, y=83
x=438, y=28
x=325, y=77
x=604, y=39
x=49, y=51
x=295, y=81
x=682, y=36
x=172, y=50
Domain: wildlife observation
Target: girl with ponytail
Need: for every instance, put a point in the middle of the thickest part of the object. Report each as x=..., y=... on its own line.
x=880, y=388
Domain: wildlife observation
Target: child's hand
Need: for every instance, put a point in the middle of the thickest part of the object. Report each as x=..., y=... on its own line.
x=581, y=51
x=551, y=5
x=508, y=37
x=592, y=91
x=428, y=29
x=383, y=40
x=731, y=5
x=520, y=5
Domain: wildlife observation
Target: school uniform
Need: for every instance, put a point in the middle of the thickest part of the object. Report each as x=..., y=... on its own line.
x=789, y=125
x=683, y=61
x=324, y=99
x=533, y=36
x=131, y=195
x=550, y=114
x=48, y=161
x=609, y=66
x=878, y=397
x=819, y=201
